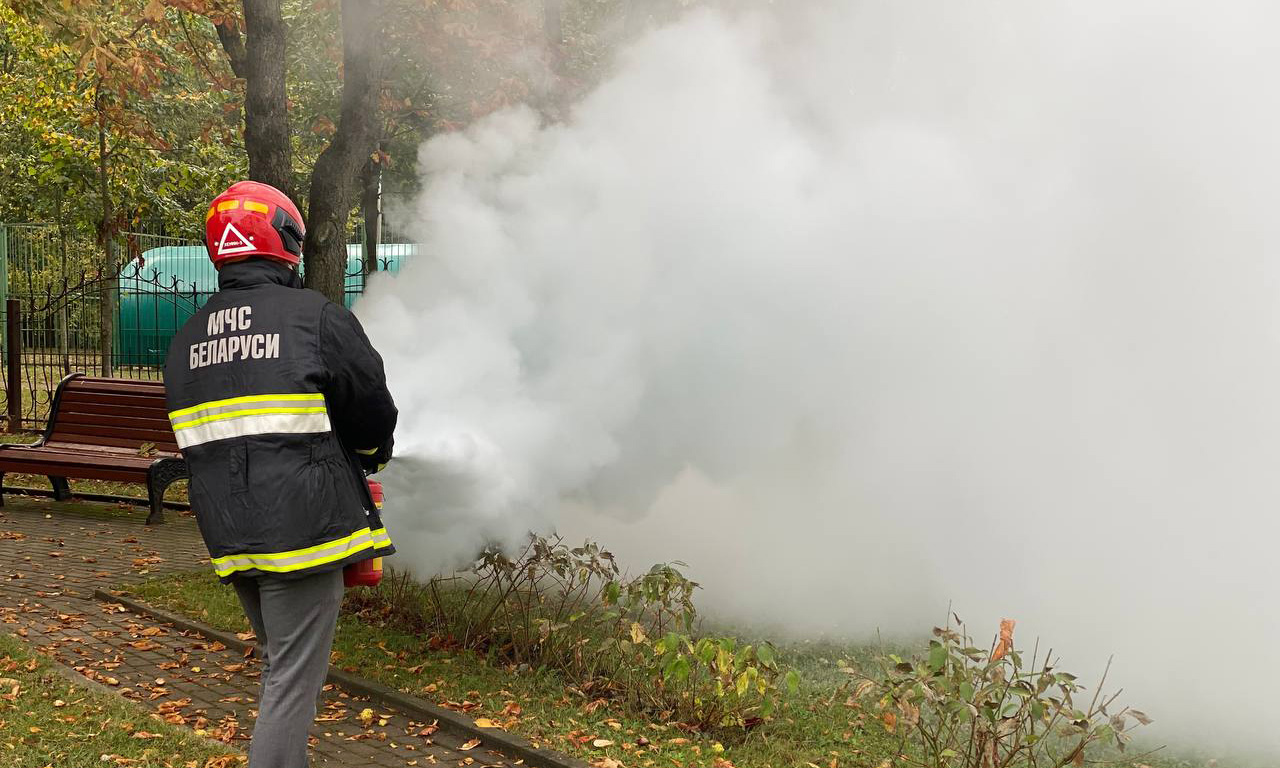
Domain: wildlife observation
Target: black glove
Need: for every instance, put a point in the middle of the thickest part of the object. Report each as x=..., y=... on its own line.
x=373, y=460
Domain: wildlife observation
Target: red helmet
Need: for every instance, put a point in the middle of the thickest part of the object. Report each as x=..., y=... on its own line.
x=253, y=219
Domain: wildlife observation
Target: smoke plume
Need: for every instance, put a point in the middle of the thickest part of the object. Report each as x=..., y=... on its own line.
x=862, y=309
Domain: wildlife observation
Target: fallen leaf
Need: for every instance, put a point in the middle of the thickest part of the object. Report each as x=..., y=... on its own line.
x=512, y=709
x=470, y=745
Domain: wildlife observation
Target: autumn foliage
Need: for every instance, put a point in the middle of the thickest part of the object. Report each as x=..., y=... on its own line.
x=960, y=706
x=627, y=640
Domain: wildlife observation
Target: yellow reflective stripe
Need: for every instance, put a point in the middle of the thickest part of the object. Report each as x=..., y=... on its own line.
x=209, y=215
x=254, y=205
x=316, y=396
x=378, y=540
x=298, y=552
x=228, y=205
x=340, y=554
x=245, y=412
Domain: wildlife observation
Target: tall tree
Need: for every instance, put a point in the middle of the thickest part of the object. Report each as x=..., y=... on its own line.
x=339, y=165
x=259, y=59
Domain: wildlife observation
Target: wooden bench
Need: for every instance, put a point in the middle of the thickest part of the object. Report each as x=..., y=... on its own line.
x=103, y=429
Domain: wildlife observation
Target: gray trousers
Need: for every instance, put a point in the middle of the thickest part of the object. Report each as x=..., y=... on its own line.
x=295, y=620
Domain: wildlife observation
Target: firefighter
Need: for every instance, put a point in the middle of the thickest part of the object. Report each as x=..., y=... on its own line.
x=278, y=402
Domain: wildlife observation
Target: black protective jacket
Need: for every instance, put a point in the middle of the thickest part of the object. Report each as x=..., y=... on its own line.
x=278, y=400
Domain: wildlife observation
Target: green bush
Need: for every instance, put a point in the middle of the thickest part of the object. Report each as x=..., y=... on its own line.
x=613, y=637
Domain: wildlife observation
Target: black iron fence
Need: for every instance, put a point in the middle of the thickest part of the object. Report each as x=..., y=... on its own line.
x=65, y=313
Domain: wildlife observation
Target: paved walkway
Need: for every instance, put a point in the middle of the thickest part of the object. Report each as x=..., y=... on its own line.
x=52, y=557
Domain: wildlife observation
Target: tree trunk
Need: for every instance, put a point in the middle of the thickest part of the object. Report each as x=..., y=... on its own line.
x=260, y=59
x=371, y=208
x=339, y=164
x=107, y=286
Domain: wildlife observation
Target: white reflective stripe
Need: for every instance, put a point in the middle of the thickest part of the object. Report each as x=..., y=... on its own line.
x=256, y=424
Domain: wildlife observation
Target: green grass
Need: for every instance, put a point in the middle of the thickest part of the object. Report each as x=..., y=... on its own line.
x=813, y=727
x=53, y=722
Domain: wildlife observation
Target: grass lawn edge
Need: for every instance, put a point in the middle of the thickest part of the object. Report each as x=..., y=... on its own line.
x=57, y=698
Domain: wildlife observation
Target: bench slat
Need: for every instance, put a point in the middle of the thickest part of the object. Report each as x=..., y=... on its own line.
x=105, y=401
x=136, y=435
x=75, y=409
x=125, y=474
x=119, y=421
x=72, y=452
x=63, y=456
x=114, y=385
x=63, y=436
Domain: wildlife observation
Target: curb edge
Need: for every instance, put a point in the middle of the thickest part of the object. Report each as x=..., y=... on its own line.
x=507, y=743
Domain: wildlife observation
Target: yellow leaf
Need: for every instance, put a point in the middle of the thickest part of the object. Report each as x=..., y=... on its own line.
x=470, y=745
x=484, y=722
x=637, y=633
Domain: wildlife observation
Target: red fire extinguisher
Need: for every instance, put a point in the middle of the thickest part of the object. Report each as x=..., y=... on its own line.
x=366, y=573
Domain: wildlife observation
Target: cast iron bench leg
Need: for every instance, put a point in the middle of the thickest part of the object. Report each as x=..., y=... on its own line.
x=160, y=475
x=61, y=488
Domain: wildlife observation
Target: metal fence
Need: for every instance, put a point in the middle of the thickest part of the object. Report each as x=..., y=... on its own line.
x=53, y=291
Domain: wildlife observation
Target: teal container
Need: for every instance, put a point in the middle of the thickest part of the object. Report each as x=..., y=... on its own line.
x=167, y=285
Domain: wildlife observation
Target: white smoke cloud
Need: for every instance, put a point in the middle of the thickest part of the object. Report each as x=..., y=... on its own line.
x=865, y=308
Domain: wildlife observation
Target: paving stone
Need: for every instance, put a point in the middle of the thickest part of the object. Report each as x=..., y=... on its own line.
x=49, y=569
